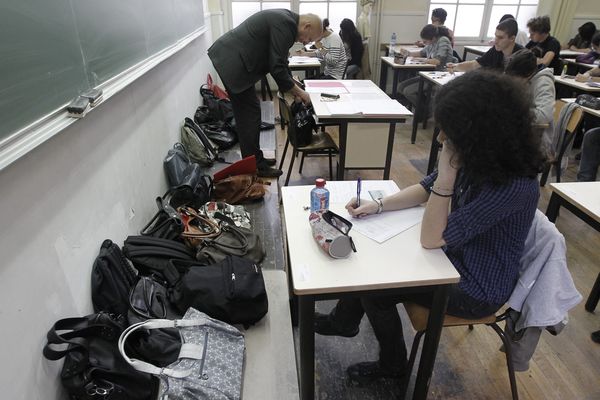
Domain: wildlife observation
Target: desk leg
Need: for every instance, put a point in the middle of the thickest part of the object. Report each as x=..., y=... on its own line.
x=307, y=346
x=432, y=340
x=342, y=156
x=594, y=297
x=465, y=55
x=395, y=83
x=390, y=150
x=383, y=76
x=417, y=113
x=553, y=207
x=433, y=152
x=263, y=88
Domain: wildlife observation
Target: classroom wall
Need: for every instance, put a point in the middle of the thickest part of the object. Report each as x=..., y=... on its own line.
x=587, y=10
x=95, y=180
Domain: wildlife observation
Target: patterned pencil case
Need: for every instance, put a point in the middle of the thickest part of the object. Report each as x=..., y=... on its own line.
x=331, y=232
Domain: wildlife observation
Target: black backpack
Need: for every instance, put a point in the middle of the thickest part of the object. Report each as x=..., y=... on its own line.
x=113, y=277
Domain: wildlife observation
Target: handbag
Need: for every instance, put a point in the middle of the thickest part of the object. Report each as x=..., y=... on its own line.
x=232, y=290
x=232, y=240
x=197, y=227
x=166, y=223
x=304, y=124
x=236, y=214
x=93, y=367
x=589, y=101
x=220, y=134
x=330, y=231
x=239, y=189
x=211, y=361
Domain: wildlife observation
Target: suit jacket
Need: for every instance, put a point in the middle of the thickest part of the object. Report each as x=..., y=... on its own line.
x=259, y=45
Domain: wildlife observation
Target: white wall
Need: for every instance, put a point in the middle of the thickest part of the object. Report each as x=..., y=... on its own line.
x=95, y=180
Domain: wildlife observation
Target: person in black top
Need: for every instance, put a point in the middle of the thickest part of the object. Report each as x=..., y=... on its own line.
x=544, y=46
x=498, y=56
x=352, y=42
x=583, y=40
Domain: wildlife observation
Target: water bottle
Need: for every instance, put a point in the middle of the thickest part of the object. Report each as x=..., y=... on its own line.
x=319, y=196
x=392, y=44
x=564, y=71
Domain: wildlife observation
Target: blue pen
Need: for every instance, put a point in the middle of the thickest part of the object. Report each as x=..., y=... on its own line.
x=358, y=184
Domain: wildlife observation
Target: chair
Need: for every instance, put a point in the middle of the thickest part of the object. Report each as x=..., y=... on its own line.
x=322, y=143
x=418, y=317
x=566, y=140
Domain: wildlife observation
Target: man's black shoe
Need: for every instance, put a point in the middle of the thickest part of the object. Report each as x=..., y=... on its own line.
x=270, y=161
x=596, y=336
x=268, y=172
x=367, y=372
x=324, y=325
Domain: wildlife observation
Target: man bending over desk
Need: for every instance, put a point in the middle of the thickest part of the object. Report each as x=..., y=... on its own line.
x=244, y=55
x=480, y=206
x=497, y=57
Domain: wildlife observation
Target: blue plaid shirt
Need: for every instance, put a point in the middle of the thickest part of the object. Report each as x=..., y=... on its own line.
x=486, y=232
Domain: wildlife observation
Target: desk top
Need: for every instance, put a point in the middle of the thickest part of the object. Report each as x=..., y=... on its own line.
x=303, y=62
x=584, y=195
x=411, y=63
x=583, y=86
x=590, y=111
x=570, y=53
x=440, y=78
x=478, y=49
x=398, y=262
x=359, y=99
x=584, y=65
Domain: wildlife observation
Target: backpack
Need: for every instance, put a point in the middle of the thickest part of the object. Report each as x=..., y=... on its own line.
x=199, y=147
x=218, y=109
x=113, y=277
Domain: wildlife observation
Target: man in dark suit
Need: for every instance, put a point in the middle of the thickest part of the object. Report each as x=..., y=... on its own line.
x=242, y=56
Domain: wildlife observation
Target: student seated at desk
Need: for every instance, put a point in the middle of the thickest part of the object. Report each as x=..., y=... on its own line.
x=592, y=56
x=523, y=65
x=438, y=18
x=353, y=44
x=480, y=205
x=582, y=41
x=591, y=75
x=522, y=37
x=497, y=57
x=544, y=46
x=590, y=156
x=330, y=50
x=437, y=51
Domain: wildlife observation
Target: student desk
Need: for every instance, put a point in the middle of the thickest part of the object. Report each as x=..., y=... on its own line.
x=368, y=145
x=398, y=265
x=580, y=66
x=590, y=111
x=577, y=87
x=583, y=200
x=410, y=65
x=570, y=53
x=477, y=50
x=310, y=65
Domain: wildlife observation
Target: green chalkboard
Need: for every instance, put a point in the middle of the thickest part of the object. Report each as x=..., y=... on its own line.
x=52, y=50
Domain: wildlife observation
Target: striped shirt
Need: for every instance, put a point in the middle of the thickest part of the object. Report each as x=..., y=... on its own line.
x=335, y=57
x=486, y=233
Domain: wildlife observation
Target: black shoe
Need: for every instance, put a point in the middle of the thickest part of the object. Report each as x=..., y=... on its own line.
x=324, y=325
x=270, y=161
x=596, y=336
x=367, y=372
x=268, y=172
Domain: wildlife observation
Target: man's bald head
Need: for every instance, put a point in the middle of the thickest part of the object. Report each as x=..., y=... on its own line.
x=310, y=28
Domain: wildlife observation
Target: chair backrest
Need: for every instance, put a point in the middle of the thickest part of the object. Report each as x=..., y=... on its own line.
x=574, y=120
x=285, y=112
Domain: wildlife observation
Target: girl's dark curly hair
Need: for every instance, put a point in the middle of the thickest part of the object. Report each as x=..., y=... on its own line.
x=487, y=116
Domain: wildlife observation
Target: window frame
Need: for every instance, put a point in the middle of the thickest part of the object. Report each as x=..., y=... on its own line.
x=488, y=6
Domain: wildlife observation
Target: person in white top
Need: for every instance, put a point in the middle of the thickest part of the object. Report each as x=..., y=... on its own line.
x=331, y=52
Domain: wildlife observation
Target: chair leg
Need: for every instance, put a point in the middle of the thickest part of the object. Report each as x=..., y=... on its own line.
x=558, y=166
x=287, y=179
x=287, y=143
x=302, y=163
x=470, y=327
x=545, y=174
x=330, y=166
x=509, y=363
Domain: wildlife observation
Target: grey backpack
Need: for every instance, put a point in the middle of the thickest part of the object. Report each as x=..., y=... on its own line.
x=210, y=363
x=199, y=147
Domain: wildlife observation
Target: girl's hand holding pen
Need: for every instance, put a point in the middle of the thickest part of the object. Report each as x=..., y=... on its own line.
x=367, y=207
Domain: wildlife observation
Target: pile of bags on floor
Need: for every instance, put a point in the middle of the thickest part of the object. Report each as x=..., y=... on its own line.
x=166, y=302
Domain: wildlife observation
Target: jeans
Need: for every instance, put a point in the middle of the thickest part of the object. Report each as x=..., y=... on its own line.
x=386, y=323
x=590, y=156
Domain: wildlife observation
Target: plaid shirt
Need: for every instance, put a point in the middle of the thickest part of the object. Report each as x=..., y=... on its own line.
x=486, y=232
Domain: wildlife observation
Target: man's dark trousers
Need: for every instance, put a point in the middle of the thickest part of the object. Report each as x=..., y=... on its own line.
x=246, y=110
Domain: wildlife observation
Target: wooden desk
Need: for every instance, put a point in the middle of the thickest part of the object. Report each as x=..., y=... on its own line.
x=579, y=65
x=570, y=53
x=477, y=50
x=398, y=265
x=368, y=146
x=310, y=67
x=583, y=200
x=590, y=111
x=579, y=87
x=410, y=65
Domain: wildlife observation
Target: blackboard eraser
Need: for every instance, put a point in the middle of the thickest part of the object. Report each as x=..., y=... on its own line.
x=78, y=107
x=93, y=95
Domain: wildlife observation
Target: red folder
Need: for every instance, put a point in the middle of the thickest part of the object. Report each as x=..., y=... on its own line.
x=244, y=166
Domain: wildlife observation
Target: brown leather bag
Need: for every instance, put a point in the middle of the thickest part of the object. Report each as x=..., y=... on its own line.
x=239, y=189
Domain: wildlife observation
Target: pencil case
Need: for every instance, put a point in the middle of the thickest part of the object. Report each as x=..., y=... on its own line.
x=331, y=232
